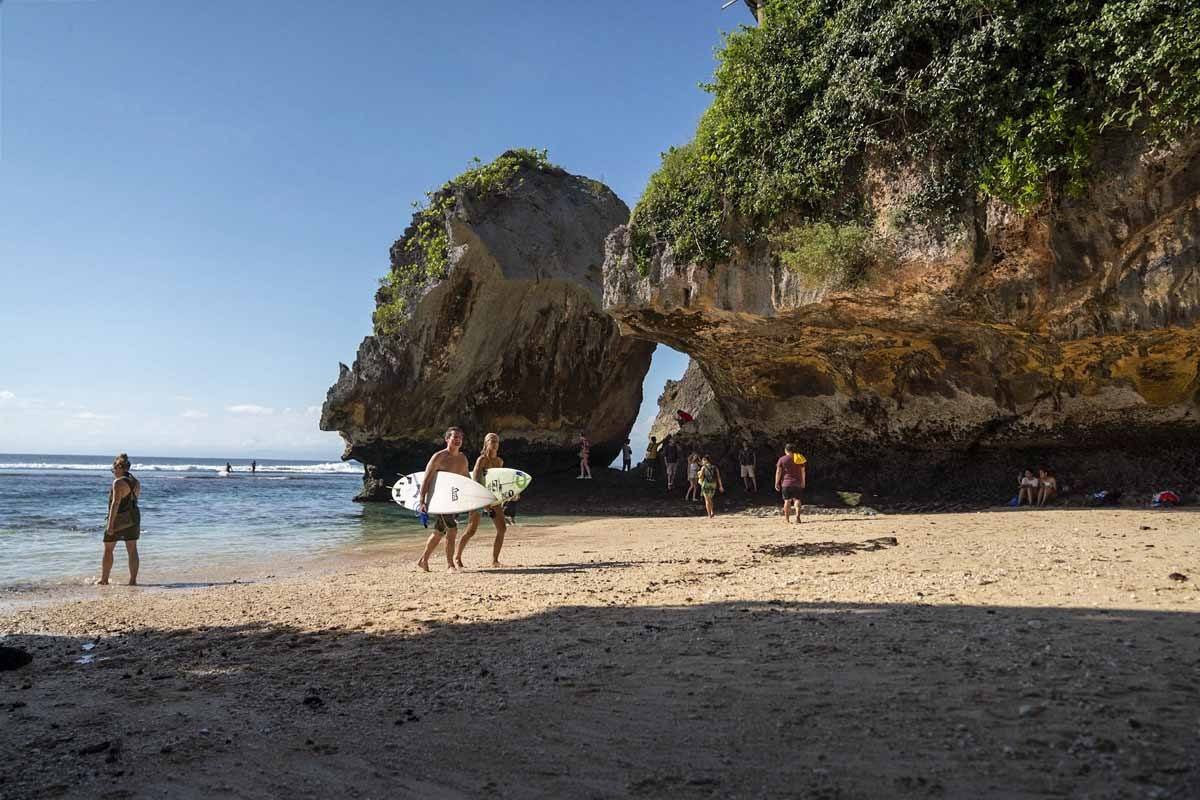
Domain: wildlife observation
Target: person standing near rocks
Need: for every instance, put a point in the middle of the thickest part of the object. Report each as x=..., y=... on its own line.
x=585, y=452
x=693, y=476
x=124, y=520
x=651, y=458
x=626, y=456
x=747, y=462
x=449, y=459
x=791, y=476
x=670, y=457
x=710, y=483
x=488, y=459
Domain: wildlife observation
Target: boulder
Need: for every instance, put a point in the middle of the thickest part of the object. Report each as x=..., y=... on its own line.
x=512, y=338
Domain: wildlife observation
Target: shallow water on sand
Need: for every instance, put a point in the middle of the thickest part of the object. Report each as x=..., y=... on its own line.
x=194, y=516
x=199, y=524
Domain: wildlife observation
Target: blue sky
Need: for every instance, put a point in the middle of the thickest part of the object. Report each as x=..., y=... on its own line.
x=197, y=198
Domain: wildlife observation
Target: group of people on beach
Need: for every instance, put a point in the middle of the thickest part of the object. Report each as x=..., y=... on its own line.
x=704, y=480
x=1036, y=489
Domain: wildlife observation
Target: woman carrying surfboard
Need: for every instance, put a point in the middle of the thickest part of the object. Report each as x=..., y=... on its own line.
x=488, y=459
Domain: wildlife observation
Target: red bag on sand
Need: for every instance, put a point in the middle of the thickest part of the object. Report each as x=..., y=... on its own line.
x=1165, y=499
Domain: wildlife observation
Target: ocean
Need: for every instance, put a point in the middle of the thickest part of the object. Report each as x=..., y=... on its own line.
x=52, y=513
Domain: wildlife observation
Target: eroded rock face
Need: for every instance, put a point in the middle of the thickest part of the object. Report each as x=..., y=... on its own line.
x=1067, y=339
x=513, y=340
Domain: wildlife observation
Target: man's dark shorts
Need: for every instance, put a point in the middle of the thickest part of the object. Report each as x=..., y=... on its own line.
x=793, y=493
x=443, y=521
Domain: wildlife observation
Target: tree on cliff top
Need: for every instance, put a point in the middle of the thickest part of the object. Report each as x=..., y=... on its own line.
x=1004, y=99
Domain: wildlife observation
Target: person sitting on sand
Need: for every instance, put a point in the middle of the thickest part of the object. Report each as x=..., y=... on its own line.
x=488, y=459
x=449, y=459
x=710, y=483
x=1027, y=488
x=124, y=520
x=791, y=476
x=693, y=491
x=585, y=452
x=1047, y=486
x=651, y=458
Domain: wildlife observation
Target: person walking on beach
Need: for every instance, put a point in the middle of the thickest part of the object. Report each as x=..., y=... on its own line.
x=710, y=483
x=747, y=462
x=626, y=456
x=124, y=520
x=791, y=476
x=585, y=452
x=651, y=458
x=693, y=476
x=488, y=459
x=449, y=459
x=670, y=457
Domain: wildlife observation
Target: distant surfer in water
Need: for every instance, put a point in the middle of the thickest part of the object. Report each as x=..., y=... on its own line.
x=450, y=459
x=228, y=467
x=488, y=459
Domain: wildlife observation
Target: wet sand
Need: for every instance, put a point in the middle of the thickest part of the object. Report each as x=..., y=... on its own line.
x=997, y=654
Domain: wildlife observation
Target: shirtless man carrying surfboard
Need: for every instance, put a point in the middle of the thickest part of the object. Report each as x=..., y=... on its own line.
x=450, y=459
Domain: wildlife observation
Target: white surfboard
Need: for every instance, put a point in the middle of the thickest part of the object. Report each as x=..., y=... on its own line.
x=452, y=494
x=507, y=484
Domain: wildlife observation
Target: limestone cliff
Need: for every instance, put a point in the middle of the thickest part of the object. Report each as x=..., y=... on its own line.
x=510, y=339
x=1064, y=336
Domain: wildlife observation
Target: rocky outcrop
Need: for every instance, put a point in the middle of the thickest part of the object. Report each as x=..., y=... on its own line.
x=1067, y=337
x=693, y=394
x=512, y=340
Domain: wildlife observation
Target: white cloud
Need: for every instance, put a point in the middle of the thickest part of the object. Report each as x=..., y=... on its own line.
x=253, y=410
x=192, y=413
x=312, y=411
x=5, y=395
x=89, y=415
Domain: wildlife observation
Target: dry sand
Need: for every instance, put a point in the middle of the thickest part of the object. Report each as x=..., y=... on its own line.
x=1002, y=654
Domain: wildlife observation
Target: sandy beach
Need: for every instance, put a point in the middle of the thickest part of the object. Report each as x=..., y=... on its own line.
x=993, y=654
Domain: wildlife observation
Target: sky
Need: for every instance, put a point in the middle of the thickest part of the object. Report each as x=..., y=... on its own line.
x=197, y=198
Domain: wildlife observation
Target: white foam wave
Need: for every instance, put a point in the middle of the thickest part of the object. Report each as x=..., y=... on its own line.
x=328, y=468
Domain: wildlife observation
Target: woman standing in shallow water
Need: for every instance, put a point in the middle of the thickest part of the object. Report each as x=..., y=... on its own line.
x=488, y=459
x=124, y=519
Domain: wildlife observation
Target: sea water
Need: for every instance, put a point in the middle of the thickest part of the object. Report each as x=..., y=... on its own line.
x=194, y=516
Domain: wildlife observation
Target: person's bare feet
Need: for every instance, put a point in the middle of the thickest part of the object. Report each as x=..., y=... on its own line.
x=451, y=568
x=99, y=583
x=132, y=583
x=458, y=563
x=424, y=565
x=496, y=564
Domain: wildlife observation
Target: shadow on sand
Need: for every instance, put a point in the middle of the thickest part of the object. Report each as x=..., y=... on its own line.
x=706, y=700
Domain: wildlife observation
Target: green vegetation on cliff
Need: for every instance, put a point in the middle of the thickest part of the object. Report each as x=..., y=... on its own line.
x=422, y=254
x=1001, y=98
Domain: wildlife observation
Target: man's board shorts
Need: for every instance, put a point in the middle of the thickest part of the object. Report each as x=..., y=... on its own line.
x=747, y=470
x=443, y=521
x=708, y=488
x=793, y=492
